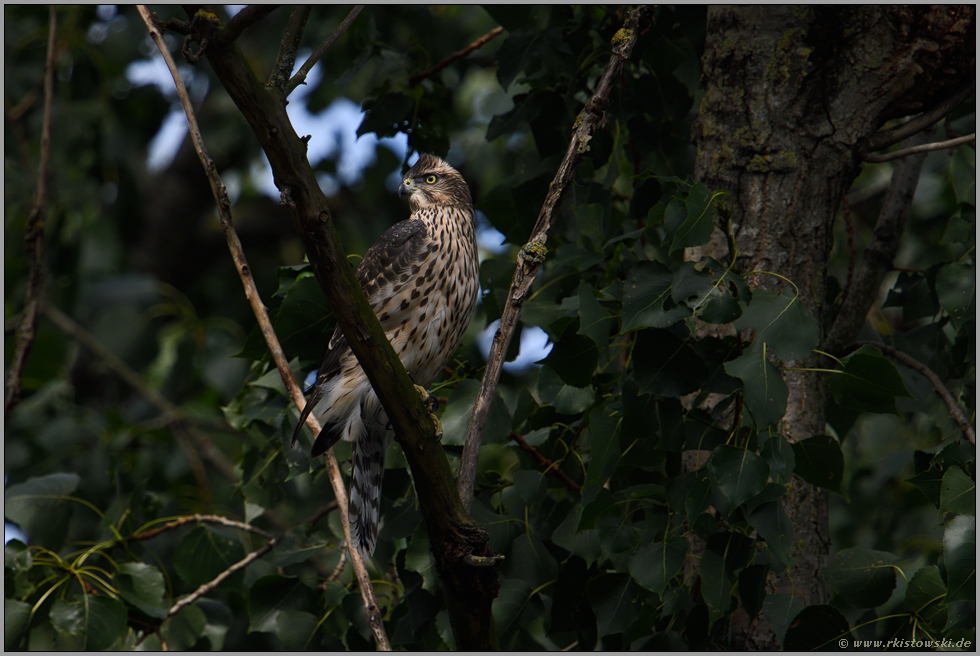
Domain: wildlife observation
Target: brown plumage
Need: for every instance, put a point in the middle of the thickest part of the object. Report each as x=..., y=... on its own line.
x=422, y=280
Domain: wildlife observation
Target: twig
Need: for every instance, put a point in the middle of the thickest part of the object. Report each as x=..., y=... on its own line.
x=321, y=512
x=258, y=308
x=34, y=235
x=905, y=152
x=321, y=49
x=287, y=49
x=880, y=253
x=216, y=581
x=198, y=519
x=479, y=43
x=335, y=573
x=954, y=408
x=548, y=465
x=886, y=138
x=531, y=256
x=244, y=19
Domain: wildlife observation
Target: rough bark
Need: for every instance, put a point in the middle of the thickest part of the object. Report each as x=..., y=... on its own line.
x=792, y=93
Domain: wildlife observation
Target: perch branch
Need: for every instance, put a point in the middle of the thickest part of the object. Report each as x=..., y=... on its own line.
x=880, y=253
x=198, y=519
x=886, y=138
x=300, y=77
x=924, y=148
x=288, y=47
x=34, y=235
x=954, y=408
x=531, y=256
x=548, y=466
x=479, y=43
x=258, y=308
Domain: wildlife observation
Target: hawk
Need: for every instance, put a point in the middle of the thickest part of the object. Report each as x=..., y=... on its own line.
x=422, y=280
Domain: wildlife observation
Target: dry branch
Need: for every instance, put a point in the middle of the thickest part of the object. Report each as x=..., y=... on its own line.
x=531, y=256
x=198, y=519
x=321, y=49
x=479, y=43
x=924, y=148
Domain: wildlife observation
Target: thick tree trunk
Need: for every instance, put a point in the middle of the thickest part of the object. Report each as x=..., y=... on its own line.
x=791, y=95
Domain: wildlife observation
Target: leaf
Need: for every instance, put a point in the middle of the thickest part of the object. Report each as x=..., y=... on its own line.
x=594, y=321
x=272, y=594
x=779, y=453
x=926, y=598
x=604, y=453
x=715, y=586
x=781, y=610
x=384, y=115
x=566, y=399
x=764, y=391
x=869, y=383
x=691, y=285
x=296, y=629
x=739, y=473
x=820, y=462
x=183, y=630
x=510, y=601
x=100, y=620
x=142, y=585
x=698, y=224
x=459, y=410
x=956, y=285
x=665, y=365
x=574, y=359
x=584, y=544
x=646, y=298
x=613, y=602
x=960, y=557
x=782, y=322
x=728, y=296
x=959, y=493
x=817, y=628
x=752, y=588
x=531, y=562
x=654, y=565
x=772, y=524
x=40, y=507
x=862, y=577
x=16, y=614
x=204, y=553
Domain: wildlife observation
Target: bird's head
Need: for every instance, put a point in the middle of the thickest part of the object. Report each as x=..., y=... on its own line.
x=433, y=182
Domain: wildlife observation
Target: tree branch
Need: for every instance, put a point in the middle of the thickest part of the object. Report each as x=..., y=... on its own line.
x=479, y=43
x=548, y=465
x=287, y=49
x=198, y=519
x=34, y=235
x=321, y=49
x=924, y=148
x=954, y=408
x=880, y=253
x=244, y=19
x=258, y=308
x=886, y=138
x=531, y=256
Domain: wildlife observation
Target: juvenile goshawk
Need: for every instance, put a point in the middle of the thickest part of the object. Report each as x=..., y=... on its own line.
x=422, y=280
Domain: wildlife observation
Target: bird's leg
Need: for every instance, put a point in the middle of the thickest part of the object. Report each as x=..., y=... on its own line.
x=431, y=404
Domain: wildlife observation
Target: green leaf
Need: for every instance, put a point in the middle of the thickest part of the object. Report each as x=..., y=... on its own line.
x=781, y=610
x=778, y=452
x=459, y=410
x=752, y=588
x=594, y=321
x=40, y=507
x=566, y=399
x=959, y=493
x=296, y=629
x=613, y=602
x=384, y=115
x=698, y=224
x=862, y=577
x=691, y=285
x=531, y=562
x=183, y=630
x=205, y=552
x=817, y=628
x=820, y=462
x=272, y=594
x=665, y=365
x=100, y=620
x=782, y=322
x=870, y=382
x=509, y=604
x=15, y=617
x=956, y=285
x=765, y=391
x=772, y=524
x=604, y=453
x=646, y=298
x=926, y=598
x=740, y=474
x=142, y=585
x=960, y=557
x=584, y=544
x=303, y=319
x=963, y=171
x=930, y=483
x=715, y=586
x=654, y=565
x=728, y=295
x=574, y=359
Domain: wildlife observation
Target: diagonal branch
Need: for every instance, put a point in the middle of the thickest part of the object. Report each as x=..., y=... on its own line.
x=880, y=253
x=258, y=308
x=886, y=138
x=244, y=19
x=300, y=77
x=288, y=46
x=479, y=43
x=34, y=235
x=924, y=148
x=531, y=256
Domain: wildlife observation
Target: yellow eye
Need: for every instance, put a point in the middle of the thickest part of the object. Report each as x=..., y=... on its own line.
x=430, y=179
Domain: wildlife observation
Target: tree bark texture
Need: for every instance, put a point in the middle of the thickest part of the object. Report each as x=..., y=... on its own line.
x=792, y=93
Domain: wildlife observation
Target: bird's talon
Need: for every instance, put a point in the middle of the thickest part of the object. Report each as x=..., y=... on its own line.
x=431, y=404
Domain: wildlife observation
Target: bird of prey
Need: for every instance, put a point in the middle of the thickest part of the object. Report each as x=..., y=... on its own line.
x=422, y=280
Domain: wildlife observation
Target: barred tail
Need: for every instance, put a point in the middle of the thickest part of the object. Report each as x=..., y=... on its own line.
x=364, y=507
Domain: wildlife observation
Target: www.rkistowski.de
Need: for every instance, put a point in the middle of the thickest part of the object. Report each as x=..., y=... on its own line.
x=899, y=643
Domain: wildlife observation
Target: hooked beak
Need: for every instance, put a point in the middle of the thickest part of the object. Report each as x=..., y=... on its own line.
x=405, y=188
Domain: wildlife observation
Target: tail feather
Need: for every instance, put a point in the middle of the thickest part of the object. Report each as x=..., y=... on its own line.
x=307, y=409
x=364, y=507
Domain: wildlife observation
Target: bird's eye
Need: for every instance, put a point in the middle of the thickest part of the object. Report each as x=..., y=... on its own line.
x=430, y=179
